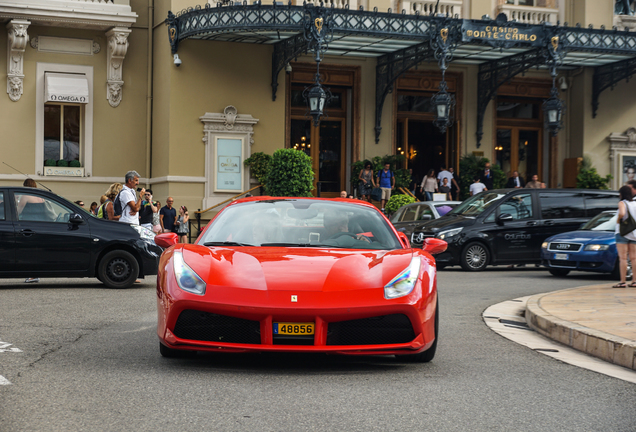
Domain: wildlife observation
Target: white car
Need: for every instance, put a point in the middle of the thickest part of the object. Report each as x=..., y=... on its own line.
x=412, y=215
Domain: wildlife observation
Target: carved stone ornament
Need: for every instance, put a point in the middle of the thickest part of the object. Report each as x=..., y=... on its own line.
x=117, y=48
x=17, y=43
x=230, y=116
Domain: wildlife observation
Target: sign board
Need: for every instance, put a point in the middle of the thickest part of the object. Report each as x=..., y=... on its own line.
x=504, y=35
x=228, y=157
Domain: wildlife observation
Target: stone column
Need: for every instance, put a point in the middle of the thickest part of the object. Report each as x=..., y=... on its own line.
x=17, y=42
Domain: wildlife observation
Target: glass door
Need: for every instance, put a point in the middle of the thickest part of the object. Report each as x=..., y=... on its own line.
x=519, y=149
x=325, y=145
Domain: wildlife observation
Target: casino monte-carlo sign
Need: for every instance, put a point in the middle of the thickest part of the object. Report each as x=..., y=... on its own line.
x=502, y=35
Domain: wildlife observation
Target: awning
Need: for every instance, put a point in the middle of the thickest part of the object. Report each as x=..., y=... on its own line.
x=69, y=88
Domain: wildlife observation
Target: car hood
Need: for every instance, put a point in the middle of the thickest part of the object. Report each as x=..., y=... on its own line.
x=582, y=236
x=445, y=222
x=297, y=269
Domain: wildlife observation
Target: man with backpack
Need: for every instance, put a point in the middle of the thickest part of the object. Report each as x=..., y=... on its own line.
x=127, y=201
x=386, y=181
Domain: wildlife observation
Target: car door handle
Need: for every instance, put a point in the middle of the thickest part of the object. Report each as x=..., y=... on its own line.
x=548, y=222
x=531, y=223
x=27, y=232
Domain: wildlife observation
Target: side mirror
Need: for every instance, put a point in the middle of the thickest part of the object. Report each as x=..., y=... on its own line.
x=166, y=240
x=76, y=219
x=434, y=246
x=426, y=217
x=504, y=217
x=404, y=239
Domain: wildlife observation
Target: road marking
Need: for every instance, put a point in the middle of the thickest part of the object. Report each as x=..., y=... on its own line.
x=4, y=347
x=4, y=381
x=493, y=315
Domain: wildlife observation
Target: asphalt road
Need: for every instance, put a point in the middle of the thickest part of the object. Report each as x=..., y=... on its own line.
x=90, y=361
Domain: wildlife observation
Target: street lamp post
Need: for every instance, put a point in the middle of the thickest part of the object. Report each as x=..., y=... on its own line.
x=318, y=34
x=553, y=107
x=444, y=44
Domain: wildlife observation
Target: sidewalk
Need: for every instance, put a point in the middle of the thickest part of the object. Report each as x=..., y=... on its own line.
x=597, y=320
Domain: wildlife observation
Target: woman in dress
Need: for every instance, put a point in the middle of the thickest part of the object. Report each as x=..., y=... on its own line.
x=366, y=182
x=182, y=224
x=107, y=209
x=429, y=185
x=625, y=244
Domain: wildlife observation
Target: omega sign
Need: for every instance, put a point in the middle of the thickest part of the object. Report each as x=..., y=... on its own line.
x=229, y=164
x=65, y=98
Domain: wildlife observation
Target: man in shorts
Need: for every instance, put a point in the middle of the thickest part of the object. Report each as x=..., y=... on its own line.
x=386, y=181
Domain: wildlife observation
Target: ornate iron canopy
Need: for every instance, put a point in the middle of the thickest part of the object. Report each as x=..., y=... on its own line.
x=501, y=48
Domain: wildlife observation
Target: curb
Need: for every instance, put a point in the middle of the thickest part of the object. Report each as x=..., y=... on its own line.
x=608, y=347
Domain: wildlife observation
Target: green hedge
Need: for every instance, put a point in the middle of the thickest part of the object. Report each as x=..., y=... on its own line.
x=290, y=174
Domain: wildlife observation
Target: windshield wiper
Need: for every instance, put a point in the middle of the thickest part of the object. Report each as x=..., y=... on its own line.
x=226, y=243
x=291, y=244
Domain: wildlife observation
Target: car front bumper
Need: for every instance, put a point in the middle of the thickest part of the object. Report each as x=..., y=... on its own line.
x=595, y=261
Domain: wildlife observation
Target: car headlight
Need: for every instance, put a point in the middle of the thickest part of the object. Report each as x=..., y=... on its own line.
x=403, y=283
x=544, y=245
x=143, y=232
x=596, y=247
x=187, y=279
x=448, y=233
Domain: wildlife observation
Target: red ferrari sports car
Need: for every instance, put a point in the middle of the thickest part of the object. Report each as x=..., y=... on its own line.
x=301, y=275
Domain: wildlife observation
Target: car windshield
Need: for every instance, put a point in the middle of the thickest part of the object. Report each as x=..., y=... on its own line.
x=477, y=204
x=300, y=223
x=601, y=222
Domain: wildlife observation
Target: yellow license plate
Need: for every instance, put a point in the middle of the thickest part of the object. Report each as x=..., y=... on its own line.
x=295, y=329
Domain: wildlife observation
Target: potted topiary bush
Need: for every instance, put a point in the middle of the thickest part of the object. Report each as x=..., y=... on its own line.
x=74, y=163
x=259, y=164
x=62, y=163
x=50, y=162
x=290, y=174
x=397, y=201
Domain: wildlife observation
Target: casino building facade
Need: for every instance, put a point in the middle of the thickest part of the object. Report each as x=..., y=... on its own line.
x=184, y=93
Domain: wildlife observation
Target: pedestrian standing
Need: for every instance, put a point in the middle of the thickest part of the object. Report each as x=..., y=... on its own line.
x=182, y=224
x=386, y=180
x=445, y=188
x=147, y=210
x=167, y=216
x=454, y=184
x=130, y=202
x=93, y=208
x=477, y=187
x=107, y=209
x=625, y=244
x=429, y=185
x=535, y=183
x=366, y=182
x=487, y=177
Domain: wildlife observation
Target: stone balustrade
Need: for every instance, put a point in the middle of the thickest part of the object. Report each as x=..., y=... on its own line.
x=529, y=14
x=427, y=7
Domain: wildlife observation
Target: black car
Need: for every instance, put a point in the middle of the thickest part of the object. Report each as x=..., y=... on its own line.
x=45, y=235
x=508, y=226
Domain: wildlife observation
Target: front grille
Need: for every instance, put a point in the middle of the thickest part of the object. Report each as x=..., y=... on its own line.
x=419, y=237
x=205, y=326
x=562, y=263
x=585, y=264
x=382, y=330
x=564, y=247
x=293, y=340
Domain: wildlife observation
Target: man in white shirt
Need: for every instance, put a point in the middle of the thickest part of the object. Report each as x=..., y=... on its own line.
x=444, y=174
x=129, y=203
x=477, y=187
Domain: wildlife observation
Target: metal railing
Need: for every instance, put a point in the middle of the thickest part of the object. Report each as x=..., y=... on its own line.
x=542, y=11
x=199, y=212
x=451, y=8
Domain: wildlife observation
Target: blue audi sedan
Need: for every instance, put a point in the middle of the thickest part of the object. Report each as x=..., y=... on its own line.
x=590, y=248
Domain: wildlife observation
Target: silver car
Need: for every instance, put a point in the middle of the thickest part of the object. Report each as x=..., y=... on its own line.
x=412, y=215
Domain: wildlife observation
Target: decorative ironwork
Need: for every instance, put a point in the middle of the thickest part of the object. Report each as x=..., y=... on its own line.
x=493, y=74
x=554, y=107
x=608, y=76
x=284, y=52
x=502, y=33
x=317, y=29
x=389, y=68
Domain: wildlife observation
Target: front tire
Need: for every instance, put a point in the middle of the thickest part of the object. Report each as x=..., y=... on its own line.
x=475, y=257
x=559, y=272
x=118, y=269
x=429, y=354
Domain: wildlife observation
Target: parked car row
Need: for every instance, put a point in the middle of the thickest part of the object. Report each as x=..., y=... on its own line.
x=509, y=226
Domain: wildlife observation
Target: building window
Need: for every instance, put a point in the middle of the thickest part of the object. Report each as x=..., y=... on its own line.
x=62, y=133
x=64, y=120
